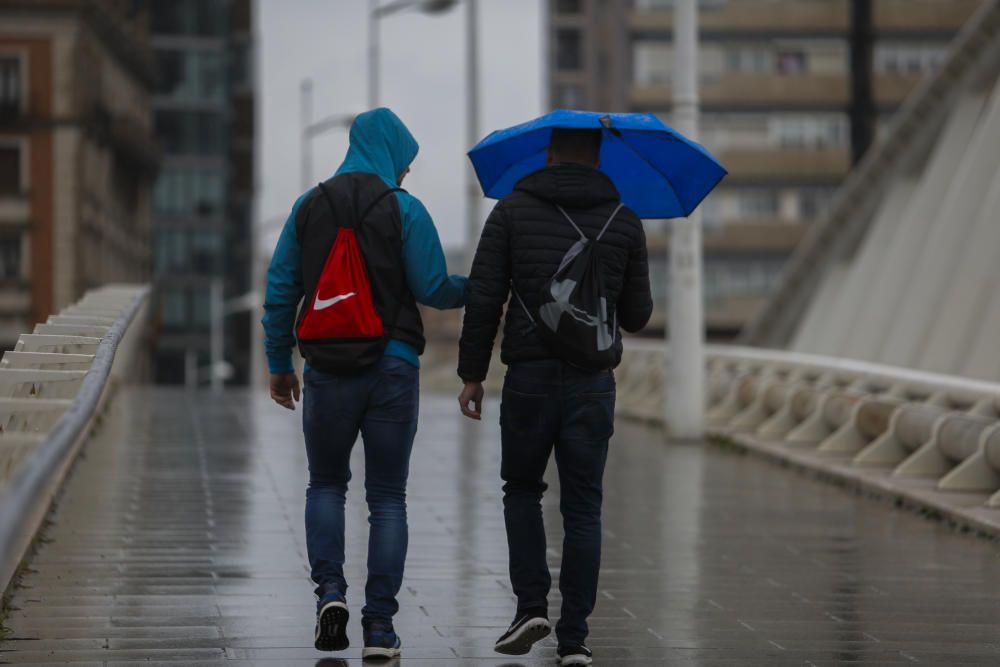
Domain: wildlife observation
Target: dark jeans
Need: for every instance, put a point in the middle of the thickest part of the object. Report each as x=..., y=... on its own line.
x=382, y=405
x=546, y=405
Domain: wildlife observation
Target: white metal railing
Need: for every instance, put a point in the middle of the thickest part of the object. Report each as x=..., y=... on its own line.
x=51, y=385
x=911, y=424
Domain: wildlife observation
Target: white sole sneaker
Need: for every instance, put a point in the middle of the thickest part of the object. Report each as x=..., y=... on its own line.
x=522, y=639
x=376, y=652
x=576, y=660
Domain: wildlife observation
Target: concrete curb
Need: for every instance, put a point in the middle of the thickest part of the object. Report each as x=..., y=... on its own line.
x=963, y=510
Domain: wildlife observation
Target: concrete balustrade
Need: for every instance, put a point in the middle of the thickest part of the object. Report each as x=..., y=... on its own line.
x=871, y=420
x=52, y=385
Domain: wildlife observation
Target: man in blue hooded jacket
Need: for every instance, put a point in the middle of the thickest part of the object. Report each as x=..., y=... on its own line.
x=405, y=266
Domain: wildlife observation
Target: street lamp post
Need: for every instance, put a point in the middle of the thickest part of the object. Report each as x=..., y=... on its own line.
x=472, y=197
x=685, y=406
x=311, y=129
x=305, y=120
x=378, y=11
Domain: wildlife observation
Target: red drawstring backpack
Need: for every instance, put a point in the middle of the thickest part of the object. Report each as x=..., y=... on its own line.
x=342, y=312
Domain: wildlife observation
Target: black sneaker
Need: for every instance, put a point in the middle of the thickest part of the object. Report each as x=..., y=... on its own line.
x=574, y=654
x=331, y=623
x=528, y=627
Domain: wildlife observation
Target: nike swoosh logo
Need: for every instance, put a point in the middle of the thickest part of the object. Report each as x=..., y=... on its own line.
x=320, y=304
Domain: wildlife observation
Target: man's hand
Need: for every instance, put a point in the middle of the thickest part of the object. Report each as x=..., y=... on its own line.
x=472, y=393
x=285, y=386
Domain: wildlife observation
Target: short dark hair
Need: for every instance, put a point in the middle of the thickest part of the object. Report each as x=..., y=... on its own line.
x=575, y=145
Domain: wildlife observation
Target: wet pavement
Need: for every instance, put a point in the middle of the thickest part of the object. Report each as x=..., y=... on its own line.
x=179, y=540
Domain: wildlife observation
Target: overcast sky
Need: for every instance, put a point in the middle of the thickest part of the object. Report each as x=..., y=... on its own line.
x=423, y=80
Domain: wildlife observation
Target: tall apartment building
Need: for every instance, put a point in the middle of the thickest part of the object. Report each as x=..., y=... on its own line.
x=77, y=157
x=786, y=86
x=204, y=112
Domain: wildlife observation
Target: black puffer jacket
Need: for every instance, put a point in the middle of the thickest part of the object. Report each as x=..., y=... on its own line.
x=525, y=239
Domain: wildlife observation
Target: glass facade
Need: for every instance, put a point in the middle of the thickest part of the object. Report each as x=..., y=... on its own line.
x=198, y=74
x=190, y=190
x=192, y=132
x=187, y=250
x=203, y=112
x=202, y=18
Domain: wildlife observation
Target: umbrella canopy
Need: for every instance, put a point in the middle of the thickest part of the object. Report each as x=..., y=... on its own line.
x=658, y=172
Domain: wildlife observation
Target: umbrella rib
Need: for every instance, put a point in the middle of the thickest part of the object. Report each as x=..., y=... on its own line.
x=511, y=165
x=621, y=138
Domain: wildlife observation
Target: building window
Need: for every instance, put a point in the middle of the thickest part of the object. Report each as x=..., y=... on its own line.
x=10, y=85
x=569, y=49
x=241, y=65
x=569, y=6
x=170, y=251
x=814, y=202
x=10, y=257
x=205, y=18
x=668, y=5
x=201, y=309
x=206, y=250
x=192, y=132
x=192, y=74
x=819, y=130
x=766, y=131
x=757, y=203
x=569, y=97
x=190, y=191
x=749, y=60
x=10, y=170
x=173, y=307
x=653, y=63
x=780, y=56
x=791, y=61
x=751, y=277
x=908, y=58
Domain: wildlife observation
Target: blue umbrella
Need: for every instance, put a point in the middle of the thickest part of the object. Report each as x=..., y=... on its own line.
x=658, y=172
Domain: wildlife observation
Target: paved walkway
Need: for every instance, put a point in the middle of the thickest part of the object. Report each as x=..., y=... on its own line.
x=179, y=540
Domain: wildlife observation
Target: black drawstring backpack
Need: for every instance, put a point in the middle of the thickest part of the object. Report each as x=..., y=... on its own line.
x=572, y=317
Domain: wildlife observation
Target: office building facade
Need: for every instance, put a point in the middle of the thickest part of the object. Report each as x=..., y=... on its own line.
x=202, y=204
x=792, y=92
x=77, y=154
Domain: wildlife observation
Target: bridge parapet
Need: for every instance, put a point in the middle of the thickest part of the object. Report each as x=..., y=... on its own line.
x=53, y=384
x=928, y=438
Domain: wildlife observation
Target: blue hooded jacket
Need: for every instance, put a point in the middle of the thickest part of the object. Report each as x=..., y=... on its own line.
x=380, y=144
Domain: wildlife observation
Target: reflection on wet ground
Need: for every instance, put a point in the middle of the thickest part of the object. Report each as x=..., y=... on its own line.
x=179, y=540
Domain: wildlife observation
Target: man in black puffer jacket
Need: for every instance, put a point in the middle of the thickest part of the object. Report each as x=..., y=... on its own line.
x=548, y=403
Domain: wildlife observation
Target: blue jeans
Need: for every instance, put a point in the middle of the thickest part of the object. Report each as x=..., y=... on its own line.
x=550, y=405
x=382, y=405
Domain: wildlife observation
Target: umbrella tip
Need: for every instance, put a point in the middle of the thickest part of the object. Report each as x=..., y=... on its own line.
x=606, y=122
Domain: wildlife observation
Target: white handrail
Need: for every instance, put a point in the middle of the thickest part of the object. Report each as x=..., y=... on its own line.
x=864, y=416
x=51, y=387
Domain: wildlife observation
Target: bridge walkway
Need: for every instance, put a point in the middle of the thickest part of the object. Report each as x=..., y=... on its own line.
x=179, y=540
